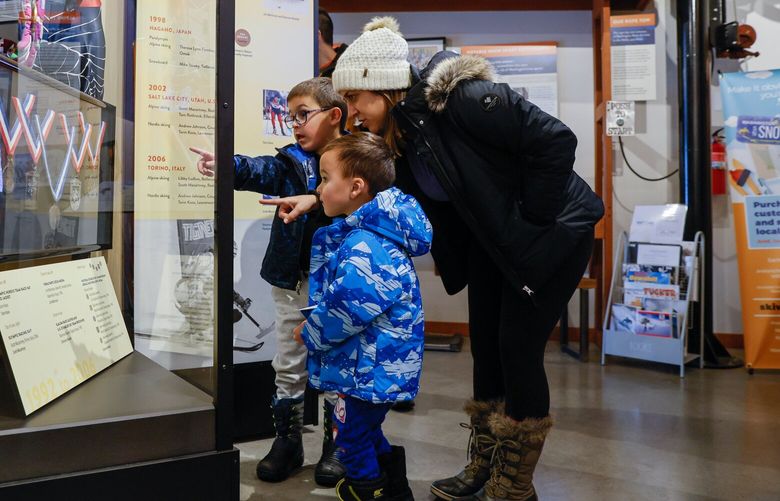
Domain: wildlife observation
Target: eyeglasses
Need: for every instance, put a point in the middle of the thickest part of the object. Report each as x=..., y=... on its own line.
x=300, y=117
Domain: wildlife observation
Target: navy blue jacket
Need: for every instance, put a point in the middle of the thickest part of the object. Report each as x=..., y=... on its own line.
x=292, y=171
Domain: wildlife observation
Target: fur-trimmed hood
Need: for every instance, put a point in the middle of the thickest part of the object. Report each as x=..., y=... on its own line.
x=446, y=75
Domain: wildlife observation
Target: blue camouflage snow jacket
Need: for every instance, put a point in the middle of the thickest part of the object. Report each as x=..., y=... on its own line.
x=365, y=336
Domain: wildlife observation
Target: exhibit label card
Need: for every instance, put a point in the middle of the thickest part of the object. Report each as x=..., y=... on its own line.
x=60, y=324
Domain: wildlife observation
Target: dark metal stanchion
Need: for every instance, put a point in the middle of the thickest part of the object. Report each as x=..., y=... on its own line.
x=693, y=22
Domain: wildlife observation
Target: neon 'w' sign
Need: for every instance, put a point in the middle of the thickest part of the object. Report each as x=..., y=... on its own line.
x=37, y=145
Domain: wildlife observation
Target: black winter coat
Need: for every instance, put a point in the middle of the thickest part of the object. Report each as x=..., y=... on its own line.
x=507, y=168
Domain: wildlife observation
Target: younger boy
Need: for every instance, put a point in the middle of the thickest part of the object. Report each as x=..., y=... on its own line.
x=317, y=116
x=365, y=335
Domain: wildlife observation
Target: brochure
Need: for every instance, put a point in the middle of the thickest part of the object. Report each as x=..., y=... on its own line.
x=623, y=318
x=655, y=323
x=648, y=273
x=635, y=292
x=664, y=305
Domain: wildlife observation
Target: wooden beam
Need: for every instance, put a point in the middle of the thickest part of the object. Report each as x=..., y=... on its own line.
x=601, y=262
x=599, y=113
x=450, y=6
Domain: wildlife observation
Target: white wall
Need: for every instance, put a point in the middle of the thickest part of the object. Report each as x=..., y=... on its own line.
x=572, y=30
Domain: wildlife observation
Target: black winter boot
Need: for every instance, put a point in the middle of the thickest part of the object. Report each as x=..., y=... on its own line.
x=286, y=454
x=361, y=490
x=394, y=465
x=482, y=444
x=329, y=469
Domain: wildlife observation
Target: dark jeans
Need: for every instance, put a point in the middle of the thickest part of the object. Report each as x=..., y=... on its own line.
x=509, y=333
x=359, y=436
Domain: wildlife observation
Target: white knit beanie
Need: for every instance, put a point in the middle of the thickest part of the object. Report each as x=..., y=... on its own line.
x=376, y=60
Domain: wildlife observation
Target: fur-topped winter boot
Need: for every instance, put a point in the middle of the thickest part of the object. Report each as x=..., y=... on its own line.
x=519, y=447
x=480, y=451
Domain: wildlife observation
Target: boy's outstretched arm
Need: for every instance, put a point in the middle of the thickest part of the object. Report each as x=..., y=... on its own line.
x=263, y=174
x=361, y=291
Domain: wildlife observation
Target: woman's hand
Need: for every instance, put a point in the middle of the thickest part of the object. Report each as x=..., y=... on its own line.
x=291, y=208
x=205, y=162
x=297, y=332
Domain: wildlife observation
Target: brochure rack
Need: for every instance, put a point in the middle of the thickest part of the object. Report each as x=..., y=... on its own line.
x=668, y=350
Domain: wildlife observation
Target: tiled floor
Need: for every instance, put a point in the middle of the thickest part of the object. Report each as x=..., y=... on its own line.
x=626, y=431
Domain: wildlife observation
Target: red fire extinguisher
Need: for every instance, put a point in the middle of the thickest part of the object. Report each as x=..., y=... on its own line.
x=719, y=167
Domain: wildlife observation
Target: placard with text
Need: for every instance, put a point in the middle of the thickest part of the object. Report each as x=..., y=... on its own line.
x=531, y=70
x=751, y=106
x=174, y=203
x=60, y=325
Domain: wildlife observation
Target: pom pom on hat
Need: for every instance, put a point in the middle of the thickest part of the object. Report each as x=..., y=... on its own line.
x=383, y=22
x=377, y=60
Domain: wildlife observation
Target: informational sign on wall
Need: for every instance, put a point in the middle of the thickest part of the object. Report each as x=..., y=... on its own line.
x=633, y=57
x=752, y=126
x=174, y=202
x=531, y=70
x=60, y=324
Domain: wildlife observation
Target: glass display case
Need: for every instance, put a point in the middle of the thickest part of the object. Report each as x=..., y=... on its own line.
x=116, y=255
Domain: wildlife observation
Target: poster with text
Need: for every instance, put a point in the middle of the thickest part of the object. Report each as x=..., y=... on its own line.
x=173, y=300
x=530, y=70
x=632, y=39
x=274, y=52
x=751, y=107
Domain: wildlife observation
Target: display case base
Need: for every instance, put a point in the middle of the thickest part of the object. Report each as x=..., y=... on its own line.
x=134, y=411
x=207, y=476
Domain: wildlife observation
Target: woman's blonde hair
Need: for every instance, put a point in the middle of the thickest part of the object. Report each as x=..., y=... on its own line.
x=391, y=132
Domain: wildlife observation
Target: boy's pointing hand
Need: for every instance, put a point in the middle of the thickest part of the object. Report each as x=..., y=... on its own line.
x=291, y=208
x=205, y=162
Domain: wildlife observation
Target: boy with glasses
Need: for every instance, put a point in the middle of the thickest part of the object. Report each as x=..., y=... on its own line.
x=317, y=116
